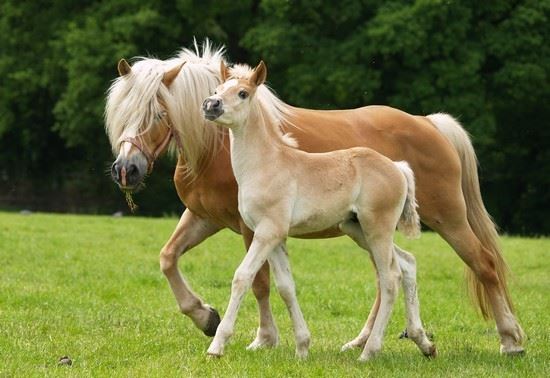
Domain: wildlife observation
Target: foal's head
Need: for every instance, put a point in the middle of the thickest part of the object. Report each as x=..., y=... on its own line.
x=137, y=118
x=230, y=104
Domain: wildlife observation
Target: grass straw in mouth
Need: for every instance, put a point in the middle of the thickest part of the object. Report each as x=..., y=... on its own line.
x=130, y=201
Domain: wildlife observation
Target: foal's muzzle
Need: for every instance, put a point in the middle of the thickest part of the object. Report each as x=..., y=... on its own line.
x=213, y=108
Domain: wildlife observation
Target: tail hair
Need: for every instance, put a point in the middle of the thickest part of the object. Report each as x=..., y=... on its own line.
x=409, y=223
x=479, y=219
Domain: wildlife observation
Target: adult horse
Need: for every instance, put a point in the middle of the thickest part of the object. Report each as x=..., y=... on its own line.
x=156, y=103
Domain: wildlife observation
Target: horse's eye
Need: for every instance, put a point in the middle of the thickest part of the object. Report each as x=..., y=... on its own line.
x=161, y=115
x=243, y=94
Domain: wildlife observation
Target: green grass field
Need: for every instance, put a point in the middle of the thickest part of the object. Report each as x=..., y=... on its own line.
x=90, y=287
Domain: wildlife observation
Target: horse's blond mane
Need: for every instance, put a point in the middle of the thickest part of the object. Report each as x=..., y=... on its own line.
x=272, y=107
x=133, y=101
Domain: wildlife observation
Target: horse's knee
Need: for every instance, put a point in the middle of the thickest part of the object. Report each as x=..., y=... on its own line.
x=168, y=260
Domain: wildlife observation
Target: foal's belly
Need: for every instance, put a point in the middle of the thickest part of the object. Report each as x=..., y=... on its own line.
x=318, y=221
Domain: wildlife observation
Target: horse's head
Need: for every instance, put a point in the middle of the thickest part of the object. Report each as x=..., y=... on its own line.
x=230, y=105
x=138, y=119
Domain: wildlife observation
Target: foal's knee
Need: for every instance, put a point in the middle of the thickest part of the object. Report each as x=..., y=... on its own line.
x=241, y=281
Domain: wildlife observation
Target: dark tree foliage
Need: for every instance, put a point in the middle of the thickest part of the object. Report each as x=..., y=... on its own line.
x=486, y=63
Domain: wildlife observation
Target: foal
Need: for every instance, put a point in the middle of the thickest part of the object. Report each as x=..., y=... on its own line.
x=284, y=191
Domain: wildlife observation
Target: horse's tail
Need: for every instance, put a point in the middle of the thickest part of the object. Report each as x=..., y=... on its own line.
x=409, y=222
x=479, y=219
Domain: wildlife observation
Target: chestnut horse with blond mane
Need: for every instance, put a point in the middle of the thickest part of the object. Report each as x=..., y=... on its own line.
x=157, y=103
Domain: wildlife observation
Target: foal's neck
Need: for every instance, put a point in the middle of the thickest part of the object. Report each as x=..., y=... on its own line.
x=256, y=144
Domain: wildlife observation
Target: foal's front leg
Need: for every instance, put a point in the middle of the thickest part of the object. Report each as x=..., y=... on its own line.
x=190, y=231
x=278, y=260
x=260, y=249
x=267, y=335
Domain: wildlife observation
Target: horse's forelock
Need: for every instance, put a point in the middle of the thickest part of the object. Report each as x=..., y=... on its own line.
x=132, y=100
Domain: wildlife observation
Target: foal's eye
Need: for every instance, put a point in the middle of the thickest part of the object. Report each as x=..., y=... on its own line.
x=243, y=94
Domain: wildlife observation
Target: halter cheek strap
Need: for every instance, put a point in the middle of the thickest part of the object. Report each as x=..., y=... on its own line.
x=151, y=156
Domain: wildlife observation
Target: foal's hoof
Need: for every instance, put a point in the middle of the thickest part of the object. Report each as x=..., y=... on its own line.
x=512, y=351
x=213, y=322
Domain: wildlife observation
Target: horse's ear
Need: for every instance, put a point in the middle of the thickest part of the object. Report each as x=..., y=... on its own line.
x=123, y=67
x=259, y=75
x=170, y=76
x=224, y=71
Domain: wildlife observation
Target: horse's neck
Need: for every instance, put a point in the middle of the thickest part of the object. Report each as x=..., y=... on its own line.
x=254, y=146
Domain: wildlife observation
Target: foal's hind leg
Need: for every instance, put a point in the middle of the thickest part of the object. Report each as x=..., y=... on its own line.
x=381, y=248
x=415, y=330
x=278, y=260
x=354, y=231
x=388, y=273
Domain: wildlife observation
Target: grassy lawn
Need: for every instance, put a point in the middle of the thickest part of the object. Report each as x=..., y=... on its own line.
x=90, y=287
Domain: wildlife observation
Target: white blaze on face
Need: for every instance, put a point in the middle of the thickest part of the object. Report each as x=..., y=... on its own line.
x=227, y=94
x=228, y=84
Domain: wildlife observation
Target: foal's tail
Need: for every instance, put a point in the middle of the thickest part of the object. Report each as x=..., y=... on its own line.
x=409, y=223
x=479, y=219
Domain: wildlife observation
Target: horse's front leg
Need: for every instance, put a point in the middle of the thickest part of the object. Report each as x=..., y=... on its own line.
x=267, y=334
x=190, y=231
x=261, y=247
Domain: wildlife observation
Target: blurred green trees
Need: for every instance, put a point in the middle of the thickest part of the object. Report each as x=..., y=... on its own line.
x=486, y=63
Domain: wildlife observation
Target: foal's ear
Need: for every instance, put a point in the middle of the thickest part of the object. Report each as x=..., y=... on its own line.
x=259, y=75
x=170, y=76
x=224, y=71
x=123, y=67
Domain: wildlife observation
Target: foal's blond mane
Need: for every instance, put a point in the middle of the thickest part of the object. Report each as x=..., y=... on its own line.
x=270, y=107
x=134, y=102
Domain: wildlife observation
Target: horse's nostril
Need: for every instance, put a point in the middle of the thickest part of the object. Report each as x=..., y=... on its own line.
x=216, y=104
x=114, y=171
x=132, y=170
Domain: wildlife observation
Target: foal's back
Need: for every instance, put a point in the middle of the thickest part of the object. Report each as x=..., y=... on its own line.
x=326, y=189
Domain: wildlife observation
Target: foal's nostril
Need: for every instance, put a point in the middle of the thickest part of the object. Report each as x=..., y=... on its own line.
x=216, y=103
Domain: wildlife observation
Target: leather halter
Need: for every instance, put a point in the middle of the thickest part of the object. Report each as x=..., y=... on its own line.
x=151, y=156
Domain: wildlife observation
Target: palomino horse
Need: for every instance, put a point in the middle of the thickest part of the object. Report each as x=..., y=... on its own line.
x=285, y=191
x=155, y=101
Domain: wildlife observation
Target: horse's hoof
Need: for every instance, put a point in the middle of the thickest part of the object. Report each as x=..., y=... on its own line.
x=432, y=352
x=404, y=334
x=213, y=322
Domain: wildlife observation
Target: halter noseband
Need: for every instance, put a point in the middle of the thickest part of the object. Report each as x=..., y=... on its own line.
x=151, y=156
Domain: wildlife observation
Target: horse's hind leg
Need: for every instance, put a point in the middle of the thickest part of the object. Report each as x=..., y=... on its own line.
x=278, y=260
x=461, y=237
x=415, y=330
x=190, y=231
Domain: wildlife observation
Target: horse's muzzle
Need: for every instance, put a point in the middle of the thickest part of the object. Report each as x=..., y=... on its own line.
x=127, y=173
